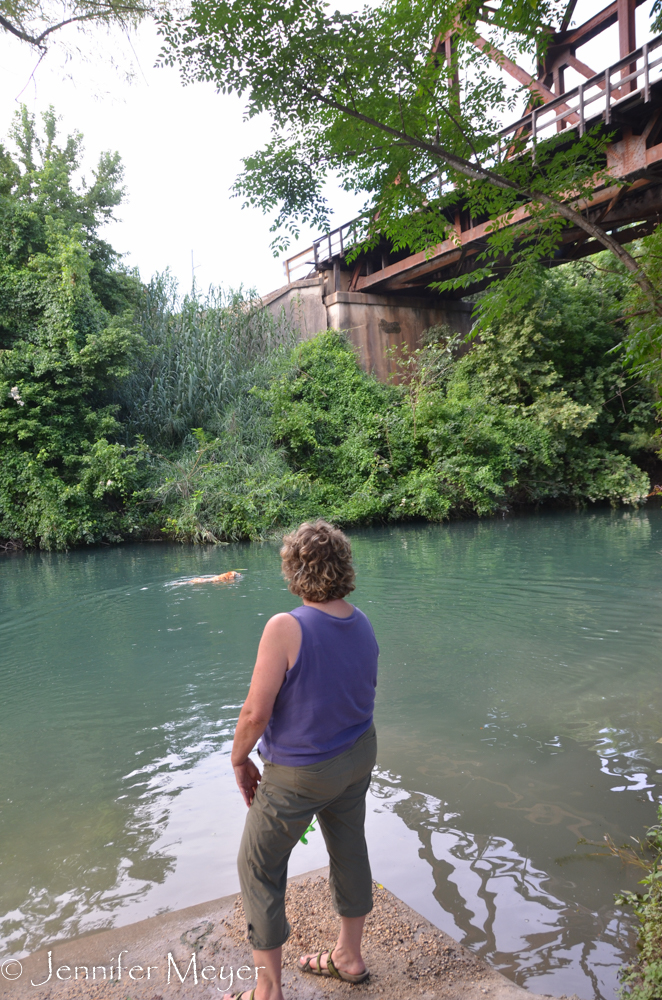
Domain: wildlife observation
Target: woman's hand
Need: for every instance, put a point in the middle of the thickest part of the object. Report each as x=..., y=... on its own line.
x=248, y=777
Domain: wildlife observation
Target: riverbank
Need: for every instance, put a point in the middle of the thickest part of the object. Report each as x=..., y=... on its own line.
x=508, y=426
x=407, y=956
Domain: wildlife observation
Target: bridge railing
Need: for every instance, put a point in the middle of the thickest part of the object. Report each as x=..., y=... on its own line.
x=324, y=249
x=600, y=96
x=338, y=241
x=300, y=265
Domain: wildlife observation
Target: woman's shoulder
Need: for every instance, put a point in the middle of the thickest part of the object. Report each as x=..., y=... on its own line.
x=282, y=623
x=282, y=636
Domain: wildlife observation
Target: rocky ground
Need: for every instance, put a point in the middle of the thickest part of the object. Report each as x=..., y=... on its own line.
x=206, y=945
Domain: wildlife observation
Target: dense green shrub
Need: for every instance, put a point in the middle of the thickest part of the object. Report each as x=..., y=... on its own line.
x=643, y=344
x=500, y=429
x=642, y=979
x=534, y=413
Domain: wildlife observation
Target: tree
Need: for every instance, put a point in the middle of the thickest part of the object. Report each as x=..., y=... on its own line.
x=643, y=344
x=368, y=96
x=67, y=337
x=35, y=21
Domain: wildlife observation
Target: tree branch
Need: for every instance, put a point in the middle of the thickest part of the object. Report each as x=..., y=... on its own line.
x=8, y=26
x=54, y=27
x=38, y=40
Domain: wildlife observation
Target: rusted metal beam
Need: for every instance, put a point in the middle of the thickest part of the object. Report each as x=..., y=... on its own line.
x=626, y=27
x=627, y=41
x=572, y=251
x=355, y=275
x=613, y=207
x=580, y=66
x=589, y=29
x=520, y=74
x=419, y=266
x=564, y=43
x=567, y=16
x=566, y=58
x=646, y=205
x=513, y=69
x=556, y=68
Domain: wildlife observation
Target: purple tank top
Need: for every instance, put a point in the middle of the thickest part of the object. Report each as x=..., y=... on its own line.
x=328, y=696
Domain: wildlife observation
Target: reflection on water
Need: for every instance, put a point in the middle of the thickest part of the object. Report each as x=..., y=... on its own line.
x=513, y=914
x=519, y=706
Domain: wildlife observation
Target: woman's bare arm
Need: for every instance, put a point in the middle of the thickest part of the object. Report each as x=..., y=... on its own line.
x=277, y=652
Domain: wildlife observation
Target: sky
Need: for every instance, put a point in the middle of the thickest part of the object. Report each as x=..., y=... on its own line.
x=182, y=149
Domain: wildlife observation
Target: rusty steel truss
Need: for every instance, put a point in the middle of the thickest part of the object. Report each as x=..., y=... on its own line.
x=626, y=96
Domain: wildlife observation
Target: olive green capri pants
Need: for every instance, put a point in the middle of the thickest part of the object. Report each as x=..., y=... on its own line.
x=286, y=800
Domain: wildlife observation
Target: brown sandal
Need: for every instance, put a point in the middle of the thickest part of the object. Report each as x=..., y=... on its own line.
x=331, y=971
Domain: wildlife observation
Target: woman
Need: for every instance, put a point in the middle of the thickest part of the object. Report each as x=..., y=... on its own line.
x=311, y=700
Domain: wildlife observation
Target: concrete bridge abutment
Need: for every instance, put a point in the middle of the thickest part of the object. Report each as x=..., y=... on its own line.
x=375, y=323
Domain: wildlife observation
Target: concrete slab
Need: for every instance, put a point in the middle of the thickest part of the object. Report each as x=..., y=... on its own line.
x=201, y=952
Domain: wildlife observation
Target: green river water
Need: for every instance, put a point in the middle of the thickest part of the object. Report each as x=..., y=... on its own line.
x=519, y=709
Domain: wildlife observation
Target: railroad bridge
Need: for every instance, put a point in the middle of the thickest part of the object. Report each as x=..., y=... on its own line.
x=383, y=298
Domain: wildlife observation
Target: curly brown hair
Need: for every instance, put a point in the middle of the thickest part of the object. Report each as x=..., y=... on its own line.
x=317, y=562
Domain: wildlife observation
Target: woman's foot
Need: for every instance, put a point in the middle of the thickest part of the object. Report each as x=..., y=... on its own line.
x=253, y=995
x=344, y=962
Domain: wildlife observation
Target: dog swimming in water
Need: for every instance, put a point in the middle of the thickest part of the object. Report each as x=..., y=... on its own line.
x=229, y=577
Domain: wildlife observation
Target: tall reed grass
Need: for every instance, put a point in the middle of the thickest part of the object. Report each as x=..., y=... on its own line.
x=203, y=352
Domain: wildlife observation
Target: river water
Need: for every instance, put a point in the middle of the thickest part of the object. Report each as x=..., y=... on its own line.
x=519, y=710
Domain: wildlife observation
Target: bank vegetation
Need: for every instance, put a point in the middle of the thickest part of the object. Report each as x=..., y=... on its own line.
x=128, y=411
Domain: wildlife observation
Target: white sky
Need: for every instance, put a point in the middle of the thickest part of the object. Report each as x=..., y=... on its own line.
x=182, y=149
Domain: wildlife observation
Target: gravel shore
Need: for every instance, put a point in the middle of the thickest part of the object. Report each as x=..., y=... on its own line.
x=206, y=945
